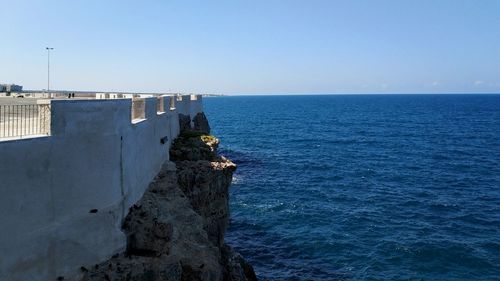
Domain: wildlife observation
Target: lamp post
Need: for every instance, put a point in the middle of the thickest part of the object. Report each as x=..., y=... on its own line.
x=48, y=70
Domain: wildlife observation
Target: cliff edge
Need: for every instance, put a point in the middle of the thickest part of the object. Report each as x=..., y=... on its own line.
x=176, y=230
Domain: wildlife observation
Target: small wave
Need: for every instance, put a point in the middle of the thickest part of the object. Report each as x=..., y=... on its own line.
x=476, y=219
x=445, y=207
x=237, y=179
x=239, y=157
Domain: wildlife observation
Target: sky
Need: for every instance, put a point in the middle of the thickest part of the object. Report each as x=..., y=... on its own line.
x=253, y=46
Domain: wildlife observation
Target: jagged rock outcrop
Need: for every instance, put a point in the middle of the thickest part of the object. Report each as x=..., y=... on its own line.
x=200, y=123
x=206, y=184
x=176, y=231
x=193, y=146
x=237, y=269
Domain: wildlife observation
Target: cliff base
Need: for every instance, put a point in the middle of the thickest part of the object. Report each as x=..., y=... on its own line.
x=176, y=231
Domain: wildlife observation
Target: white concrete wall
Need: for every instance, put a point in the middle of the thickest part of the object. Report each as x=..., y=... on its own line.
x=95, y=158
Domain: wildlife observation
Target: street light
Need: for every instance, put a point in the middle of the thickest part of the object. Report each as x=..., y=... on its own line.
x=48, y=70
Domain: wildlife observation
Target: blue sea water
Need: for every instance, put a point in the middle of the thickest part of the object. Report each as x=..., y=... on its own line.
x=364, y=187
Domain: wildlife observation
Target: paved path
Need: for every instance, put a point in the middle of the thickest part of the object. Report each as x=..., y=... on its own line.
x=14, y=101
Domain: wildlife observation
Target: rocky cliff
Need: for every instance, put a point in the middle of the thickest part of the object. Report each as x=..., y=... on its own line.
x=176, y=231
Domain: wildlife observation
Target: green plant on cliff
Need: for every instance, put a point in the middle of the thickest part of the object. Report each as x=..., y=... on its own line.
x=186, y=136
x=208, y=138
x=194, y=145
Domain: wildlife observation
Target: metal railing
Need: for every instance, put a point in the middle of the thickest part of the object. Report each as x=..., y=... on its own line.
x=24, y=120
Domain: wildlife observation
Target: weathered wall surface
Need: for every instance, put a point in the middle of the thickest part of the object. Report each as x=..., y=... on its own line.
x=64, y=197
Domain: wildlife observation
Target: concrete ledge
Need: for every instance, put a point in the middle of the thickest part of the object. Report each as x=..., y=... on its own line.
x=21, y=138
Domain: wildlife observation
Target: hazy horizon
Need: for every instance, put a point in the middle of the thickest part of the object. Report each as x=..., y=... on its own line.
x=258, y=47
x=262, y=94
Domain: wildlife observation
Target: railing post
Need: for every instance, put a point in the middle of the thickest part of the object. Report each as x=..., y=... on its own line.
x=44, y=117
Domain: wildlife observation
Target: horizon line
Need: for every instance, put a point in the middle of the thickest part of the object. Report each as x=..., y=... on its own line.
x=264, y=94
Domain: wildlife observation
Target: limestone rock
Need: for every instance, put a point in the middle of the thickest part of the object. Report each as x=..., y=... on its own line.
x=237, y=269
x=176, y=230
x=166, y=239
x=200, y=123
x=193, y=146
x=206, y=185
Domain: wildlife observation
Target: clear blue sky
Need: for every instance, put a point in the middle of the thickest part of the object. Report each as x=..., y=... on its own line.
x=242, y=47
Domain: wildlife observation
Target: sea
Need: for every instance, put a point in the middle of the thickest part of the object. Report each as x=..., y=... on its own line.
x=363, y=187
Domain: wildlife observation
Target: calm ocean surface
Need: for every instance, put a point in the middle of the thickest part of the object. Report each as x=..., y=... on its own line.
x=368, y=187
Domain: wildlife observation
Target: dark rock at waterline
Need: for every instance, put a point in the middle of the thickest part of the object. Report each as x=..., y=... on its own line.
x=237, y=269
